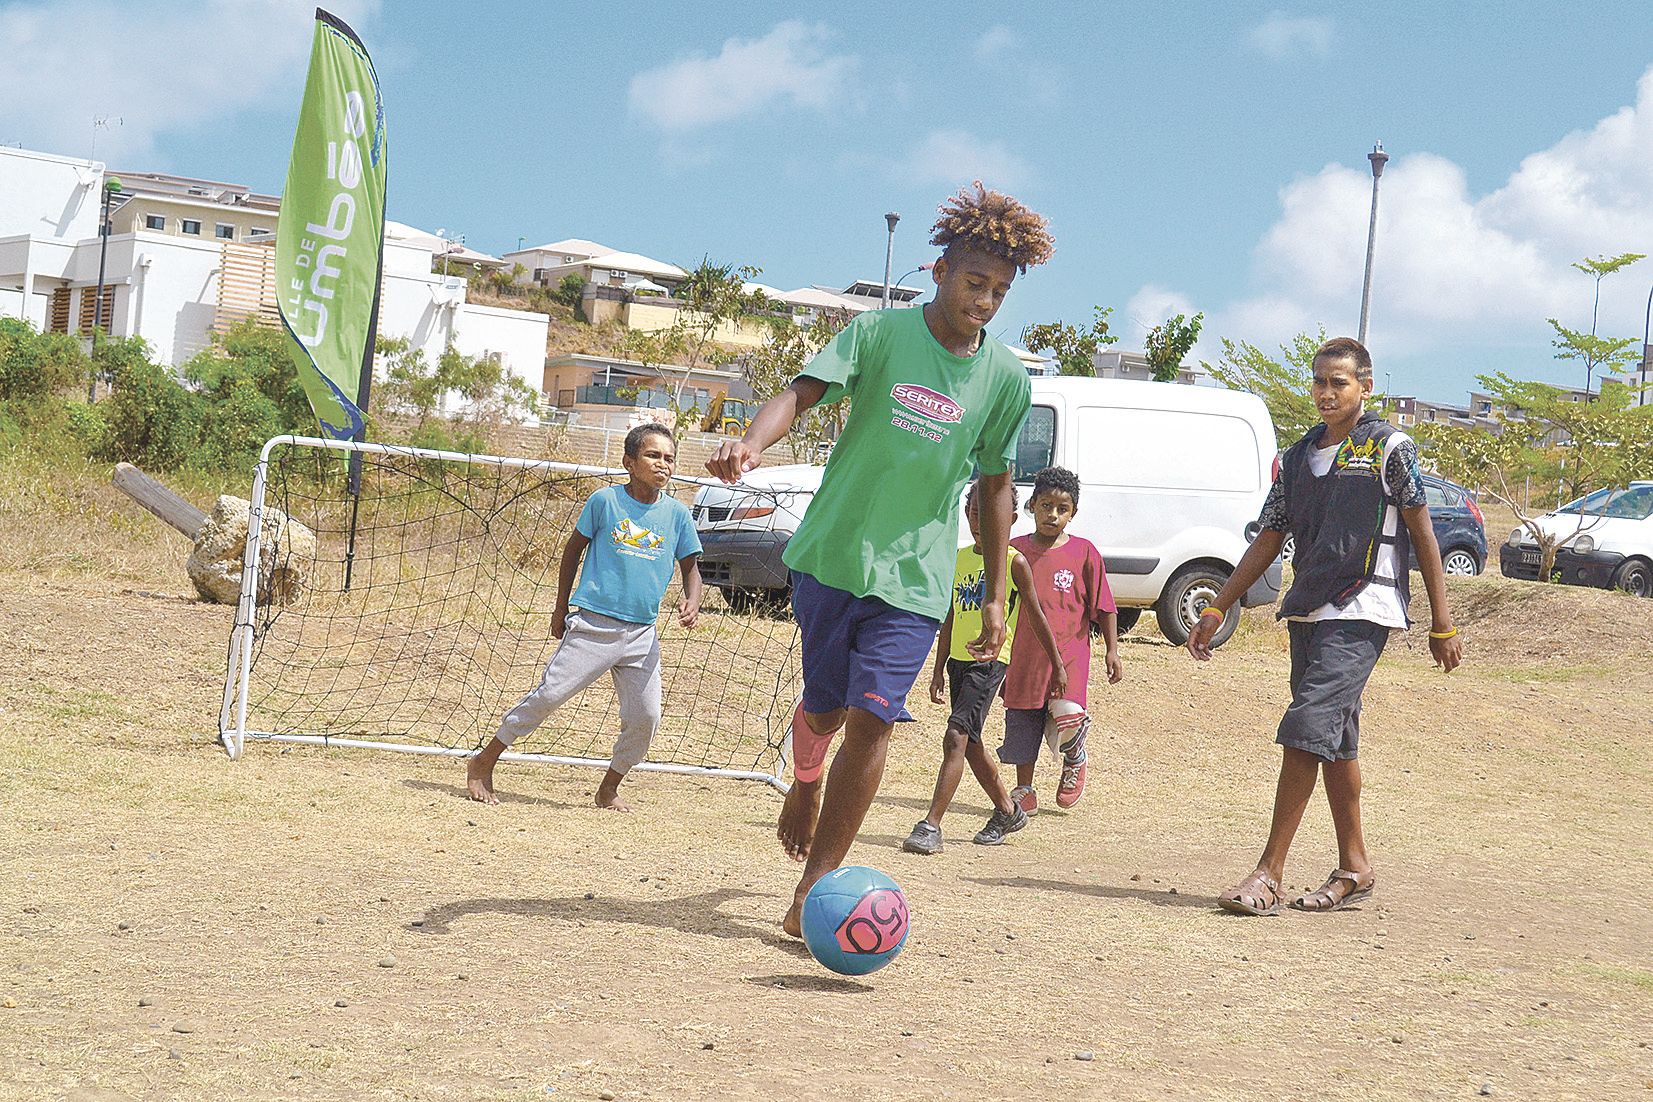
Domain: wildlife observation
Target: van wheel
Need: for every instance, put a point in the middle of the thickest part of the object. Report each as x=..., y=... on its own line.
x=1178, y=608
x=1128, y=618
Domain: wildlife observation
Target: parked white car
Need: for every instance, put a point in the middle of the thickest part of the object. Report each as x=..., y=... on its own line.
x=1613, y=548
x=1170, y=476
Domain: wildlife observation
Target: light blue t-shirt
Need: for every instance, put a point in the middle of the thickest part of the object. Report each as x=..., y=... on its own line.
x=634, y=548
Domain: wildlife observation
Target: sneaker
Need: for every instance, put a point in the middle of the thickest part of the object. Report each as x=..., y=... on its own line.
x=924, y=839
x=1000, y=824
x=1025, y=799
x=1072, y=785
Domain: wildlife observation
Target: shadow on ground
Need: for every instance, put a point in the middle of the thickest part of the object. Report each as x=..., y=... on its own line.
x=689, y=914
x=458, y=792
x=830, y=985
x=1103, y=891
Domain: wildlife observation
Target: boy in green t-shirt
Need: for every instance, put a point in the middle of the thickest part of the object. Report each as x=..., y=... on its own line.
x=872, y=560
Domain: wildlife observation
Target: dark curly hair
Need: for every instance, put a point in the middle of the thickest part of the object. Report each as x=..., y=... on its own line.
x=1054, y=478
x=635, y=438
x=994, y=223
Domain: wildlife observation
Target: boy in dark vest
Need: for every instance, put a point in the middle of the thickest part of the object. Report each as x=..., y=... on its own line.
x=1350, y=494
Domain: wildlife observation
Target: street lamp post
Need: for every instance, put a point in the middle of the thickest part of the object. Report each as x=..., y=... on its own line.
x=111, y=188
x=1647, y=350
x=890, y=220
x=1378, y=157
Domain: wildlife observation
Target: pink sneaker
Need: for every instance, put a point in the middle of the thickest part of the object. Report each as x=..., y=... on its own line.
x=1072, y=785
x=1025, y=798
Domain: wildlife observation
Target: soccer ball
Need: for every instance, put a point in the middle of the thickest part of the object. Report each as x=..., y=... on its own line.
x=855, y=920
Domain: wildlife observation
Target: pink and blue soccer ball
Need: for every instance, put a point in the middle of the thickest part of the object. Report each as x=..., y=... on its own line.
x=855, y=920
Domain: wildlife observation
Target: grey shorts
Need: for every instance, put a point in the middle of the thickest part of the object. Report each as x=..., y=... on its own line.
x=1330, y=662
x=973, y=685
x=1024, y=734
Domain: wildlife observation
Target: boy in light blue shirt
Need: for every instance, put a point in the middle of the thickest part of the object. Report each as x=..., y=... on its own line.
x=635, y=533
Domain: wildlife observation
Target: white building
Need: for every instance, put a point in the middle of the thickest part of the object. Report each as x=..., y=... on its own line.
x=174, y=287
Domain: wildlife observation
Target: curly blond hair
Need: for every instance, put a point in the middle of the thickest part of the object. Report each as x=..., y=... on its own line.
x=994, y=223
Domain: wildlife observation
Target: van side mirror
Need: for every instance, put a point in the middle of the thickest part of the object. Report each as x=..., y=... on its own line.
x=1252, y=531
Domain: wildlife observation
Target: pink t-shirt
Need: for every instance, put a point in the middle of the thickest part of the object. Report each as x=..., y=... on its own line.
x=1072, y=587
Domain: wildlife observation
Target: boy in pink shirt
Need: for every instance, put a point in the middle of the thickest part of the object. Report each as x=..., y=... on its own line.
x=1072, y=587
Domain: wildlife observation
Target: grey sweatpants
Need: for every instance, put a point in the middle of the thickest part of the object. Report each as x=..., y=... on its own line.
x=592, y=645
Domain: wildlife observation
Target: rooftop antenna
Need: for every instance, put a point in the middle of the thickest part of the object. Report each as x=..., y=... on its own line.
x=103, y=122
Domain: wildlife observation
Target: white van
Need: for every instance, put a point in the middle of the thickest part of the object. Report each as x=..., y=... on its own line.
x=1171, y=477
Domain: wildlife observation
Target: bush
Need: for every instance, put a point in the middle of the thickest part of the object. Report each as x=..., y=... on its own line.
x=88, y=428
x=34, y=366
x=152, y=420
x=569, y=290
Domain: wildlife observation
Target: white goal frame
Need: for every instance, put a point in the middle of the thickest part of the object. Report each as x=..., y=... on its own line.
x=232, y=718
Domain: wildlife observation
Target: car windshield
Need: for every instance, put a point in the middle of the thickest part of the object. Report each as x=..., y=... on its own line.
x=1636, y=504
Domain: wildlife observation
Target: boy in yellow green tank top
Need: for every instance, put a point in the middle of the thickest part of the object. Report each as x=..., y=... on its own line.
x=974, y=683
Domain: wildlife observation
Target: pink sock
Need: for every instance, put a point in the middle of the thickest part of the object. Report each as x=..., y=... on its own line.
x=808, y=748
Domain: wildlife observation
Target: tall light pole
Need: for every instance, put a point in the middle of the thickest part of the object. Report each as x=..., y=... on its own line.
x=890, y=220
x=111, y=188
x=1647, y=350
x=1378, y=157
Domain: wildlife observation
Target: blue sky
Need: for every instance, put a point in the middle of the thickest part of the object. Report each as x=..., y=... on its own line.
x=1209, y=157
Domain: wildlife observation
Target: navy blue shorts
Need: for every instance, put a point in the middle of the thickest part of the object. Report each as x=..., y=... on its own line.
x=858, y=652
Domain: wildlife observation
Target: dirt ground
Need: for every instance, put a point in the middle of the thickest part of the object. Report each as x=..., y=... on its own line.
x=328, y=924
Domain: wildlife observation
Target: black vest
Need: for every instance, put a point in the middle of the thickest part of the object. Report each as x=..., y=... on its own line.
x=1337, y=520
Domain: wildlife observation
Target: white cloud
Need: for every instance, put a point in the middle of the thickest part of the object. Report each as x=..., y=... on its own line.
x=956, y=157
x=158, y=68
x=789, y=65
x=1282, y=37
x=1453, y=267
x=995, y=43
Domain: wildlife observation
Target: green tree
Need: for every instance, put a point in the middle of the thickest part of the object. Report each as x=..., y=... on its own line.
x=569, y=290
x=1546, y=437
x=771, y=367
x=1073, y=347
x=713, y=299
x=1600, y=267
x=1168, y=342
x=1283, y=384
x=483, y=393
x=34, y=366
x=1608, y=353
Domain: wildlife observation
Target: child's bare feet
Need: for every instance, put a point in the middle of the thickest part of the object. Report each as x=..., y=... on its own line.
x=608, y=793
x=793, y=923
x=479, y=778
x=796, y=829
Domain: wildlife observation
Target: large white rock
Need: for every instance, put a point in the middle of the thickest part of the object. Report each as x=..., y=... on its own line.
x=286, y=554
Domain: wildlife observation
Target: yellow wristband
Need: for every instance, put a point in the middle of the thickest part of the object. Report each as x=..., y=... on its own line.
x=1443, y=634
x=1212, y=610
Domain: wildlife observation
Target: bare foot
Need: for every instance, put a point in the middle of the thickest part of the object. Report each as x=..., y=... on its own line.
x=793, y=923
x=796, y=829
x=610, y=799
x=479, y=779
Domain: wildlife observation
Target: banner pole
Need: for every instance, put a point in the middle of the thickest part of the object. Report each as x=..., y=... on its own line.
x=364, y=389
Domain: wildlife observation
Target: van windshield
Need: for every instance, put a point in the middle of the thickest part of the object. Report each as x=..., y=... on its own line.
x=1036, y=447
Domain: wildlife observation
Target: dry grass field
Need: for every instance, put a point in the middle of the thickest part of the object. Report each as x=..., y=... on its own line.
x=326, y=924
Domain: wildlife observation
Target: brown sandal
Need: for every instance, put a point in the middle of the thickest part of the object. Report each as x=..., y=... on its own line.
x=1323, y=900
x=1258, y=894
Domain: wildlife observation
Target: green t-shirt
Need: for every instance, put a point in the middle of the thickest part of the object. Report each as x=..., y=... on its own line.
x=885, y=520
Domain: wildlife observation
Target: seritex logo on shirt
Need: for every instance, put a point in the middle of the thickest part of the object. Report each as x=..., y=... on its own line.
x=929, y=403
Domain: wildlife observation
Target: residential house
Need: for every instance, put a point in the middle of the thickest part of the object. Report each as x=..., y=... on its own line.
x=605, y=391
x=174, y=288
x=1116, y=364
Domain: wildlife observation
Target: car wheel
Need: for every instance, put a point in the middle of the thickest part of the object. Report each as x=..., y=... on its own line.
x=1288, y=548
x=1128, y=618
x=1635, y=577
x=1461, y=561
x=1178, y=608
x=740, y=601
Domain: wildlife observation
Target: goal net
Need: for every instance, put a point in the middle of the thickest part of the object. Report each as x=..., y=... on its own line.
x=421, y=612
